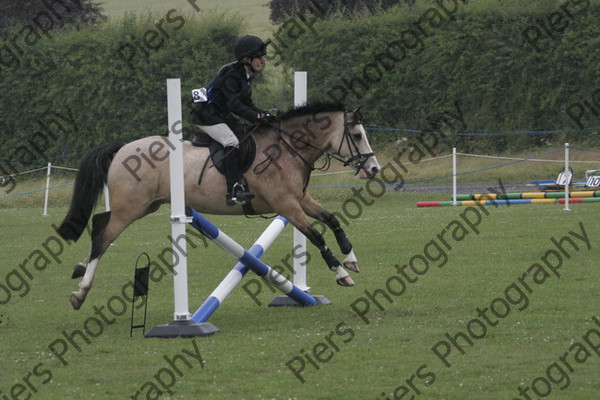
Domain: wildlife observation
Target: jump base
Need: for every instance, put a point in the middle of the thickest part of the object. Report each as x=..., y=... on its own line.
x=183, y=329
x=281, y=301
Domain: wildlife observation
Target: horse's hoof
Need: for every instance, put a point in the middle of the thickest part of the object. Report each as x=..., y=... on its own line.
x=345, y=281
x=78, y=271
x=76, y=302
x=351, y=266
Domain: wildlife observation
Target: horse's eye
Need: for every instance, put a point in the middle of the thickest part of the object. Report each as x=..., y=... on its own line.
x=357, y=136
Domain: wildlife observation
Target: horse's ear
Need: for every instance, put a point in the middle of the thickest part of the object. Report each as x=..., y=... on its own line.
x=357, y=115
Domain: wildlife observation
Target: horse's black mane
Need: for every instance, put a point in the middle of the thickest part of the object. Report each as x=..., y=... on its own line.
x=311, y=108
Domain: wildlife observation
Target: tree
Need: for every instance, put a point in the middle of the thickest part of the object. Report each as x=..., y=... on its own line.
x=48, y=14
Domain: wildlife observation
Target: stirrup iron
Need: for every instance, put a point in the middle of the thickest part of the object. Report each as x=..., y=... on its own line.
x=239, y=195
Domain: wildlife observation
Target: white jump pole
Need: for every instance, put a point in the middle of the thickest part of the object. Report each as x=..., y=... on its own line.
x=47, y=190
x=299, y=249
x=182, y=325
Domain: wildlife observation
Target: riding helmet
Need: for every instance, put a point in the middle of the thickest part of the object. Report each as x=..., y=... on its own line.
x=250, y=46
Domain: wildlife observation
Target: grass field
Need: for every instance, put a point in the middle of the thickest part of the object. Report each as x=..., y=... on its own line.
x=388, y=350
x=255, y=12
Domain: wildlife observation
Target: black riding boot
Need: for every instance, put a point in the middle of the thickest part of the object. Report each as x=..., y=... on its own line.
x=236, y=192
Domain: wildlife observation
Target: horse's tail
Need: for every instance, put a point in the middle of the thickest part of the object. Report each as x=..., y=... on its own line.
x=89, y=183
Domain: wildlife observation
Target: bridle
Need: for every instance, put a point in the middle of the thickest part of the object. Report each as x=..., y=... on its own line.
x=356, y=160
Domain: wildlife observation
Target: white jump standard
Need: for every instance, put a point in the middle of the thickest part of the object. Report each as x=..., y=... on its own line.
x=182, y=325
x=300, y=261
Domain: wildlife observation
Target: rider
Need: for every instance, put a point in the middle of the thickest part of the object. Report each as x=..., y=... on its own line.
x=229, y=95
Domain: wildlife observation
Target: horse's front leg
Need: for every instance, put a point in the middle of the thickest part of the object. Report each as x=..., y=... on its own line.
x=298, y=218
x=315, y=210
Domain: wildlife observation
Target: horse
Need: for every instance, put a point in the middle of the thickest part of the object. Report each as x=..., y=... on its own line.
x=137, y=176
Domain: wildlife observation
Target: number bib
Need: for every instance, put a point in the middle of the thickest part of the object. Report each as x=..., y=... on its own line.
x=199, y=95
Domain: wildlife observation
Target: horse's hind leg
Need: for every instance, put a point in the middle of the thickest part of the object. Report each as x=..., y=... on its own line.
x=105, y=229
x=315, y=210
x=299, y=219
x=88, y=269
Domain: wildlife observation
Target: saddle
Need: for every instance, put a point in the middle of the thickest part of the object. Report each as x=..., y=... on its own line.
x=217, y=152
x=247, y=148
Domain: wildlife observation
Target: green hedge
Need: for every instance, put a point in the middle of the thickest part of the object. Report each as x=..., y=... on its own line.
x=92, y=78
x=478, y=59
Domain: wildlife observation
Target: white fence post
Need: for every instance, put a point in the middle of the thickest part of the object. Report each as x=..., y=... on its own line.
x=454, y=176
x=45, y=214
x=567, y=177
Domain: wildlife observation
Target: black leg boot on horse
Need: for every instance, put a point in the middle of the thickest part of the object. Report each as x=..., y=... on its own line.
x=236, y=192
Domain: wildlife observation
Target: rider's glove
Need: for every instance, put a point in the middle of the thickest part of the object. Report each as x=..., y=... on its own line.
x=266, y=118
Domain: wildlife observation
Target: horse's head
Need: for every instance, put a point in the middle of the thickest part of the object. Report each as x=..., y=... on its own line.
x=338, y=134
x=355, y=148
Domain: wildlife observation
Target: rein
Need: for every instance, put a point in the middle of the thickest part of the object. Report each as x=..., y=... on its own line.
x=292, y=150
x=309, y=166
x=356, y=161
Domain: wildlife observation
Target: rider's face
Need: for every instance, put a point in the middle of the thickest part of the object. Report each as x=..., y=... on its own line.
x=257, y=63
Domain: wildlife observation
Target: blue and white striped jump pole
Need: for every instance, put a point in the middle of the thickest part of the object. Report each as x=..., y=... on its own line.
x=238, y=272
x=239, y=253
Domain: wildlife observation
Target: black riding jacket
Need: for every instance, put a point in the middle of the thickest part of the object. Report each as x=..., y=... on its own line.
x=229, y=93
